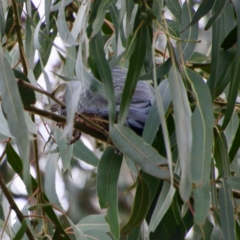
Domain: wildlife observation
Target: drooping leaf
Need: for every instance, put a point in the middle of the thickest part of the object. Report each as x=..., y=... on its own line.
x=81, y=151
x=182, y=113
x=189, y=35
x=135, y=65
x=137, y=150
x=175, y=8
x=150, y=129
x=163, y=203
x=140, y=207
x=65, y=149
x=219, y=9
x=202, y=129
x=63, y=30
x=234, y=85
x=107, y=177
x=226, y=211
x=97, y=57
x=203, y=9
x=221, y=154
x=97, y=16
x=13, y=109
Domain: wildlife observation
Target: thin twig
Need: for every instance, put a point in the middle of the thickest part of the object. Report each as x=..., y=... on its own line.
x=19, y=36
x=14, y=206
x=37, y=89
x=101, y=135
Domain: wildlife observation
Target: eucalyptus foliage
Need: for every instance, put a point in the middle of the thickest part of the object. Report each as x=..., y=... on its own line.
x=185, y=168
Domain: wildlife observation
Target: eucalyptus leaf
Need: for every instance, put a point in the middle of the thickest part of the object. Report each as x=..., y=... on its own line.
x=13, y=109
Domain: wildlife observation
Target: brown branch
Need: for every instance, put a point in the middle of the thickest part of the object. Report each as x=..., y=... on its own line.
x=14, y=206
x=101, y=135
x=37, y=89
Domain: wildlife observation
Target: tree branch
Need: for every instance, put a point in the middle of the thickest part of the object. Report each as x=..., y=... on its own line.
x=96, y=133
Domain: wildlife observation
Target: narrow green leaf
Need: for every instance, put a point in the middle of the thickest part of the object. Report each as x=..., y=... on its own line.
x=227, y=212
x=217, y=233
x=199, y=58
x=173, y=225
x=46, y=39
x=70, y=62
x=87, y=80
x=202, y=141
x=204, y=231
x=230, y=40
x=157, y=9
x=225, y=76
x=29, y=43
x=95, y=234
x=97, y=56
x=163, y=203
x=185, y=49
x=134, y=235
x=220, y=29
x=160, y=71
x=173, y=27
x=21, y=231
x=79, y=25
x=4, y=129
x=71, y=97
x=82, y=152
x=152, y=183
x=182, y=113
x=202, y=202
x=235, y=145
x=175, y=8
x=65, y=149
x=219, y=9
x=203, y=9
x=234, y=182
x=140, y=207
x=135, y=65
x=57, y=5
x=202, y=128
x=13, y=109
x=97, y=16
x=150, y=129
x=96, y=222
x=115, y=19
x=230, y=131
x=234, y=85
x=47, y=6
x=77, y=231
x=63, y=30
x=221, y=154
x=107, y=177
x=2, y=20
x=140, y=152
x=131, y=10
x=50, y=180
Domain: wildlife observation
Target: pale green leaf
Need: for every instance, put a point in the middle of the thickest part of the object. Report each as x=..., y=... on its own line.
x=182, y=114
x=13, y=108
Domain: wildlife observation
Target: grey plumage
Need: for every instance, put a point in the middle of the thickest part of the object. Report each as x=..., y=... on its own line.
x=91, y=103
